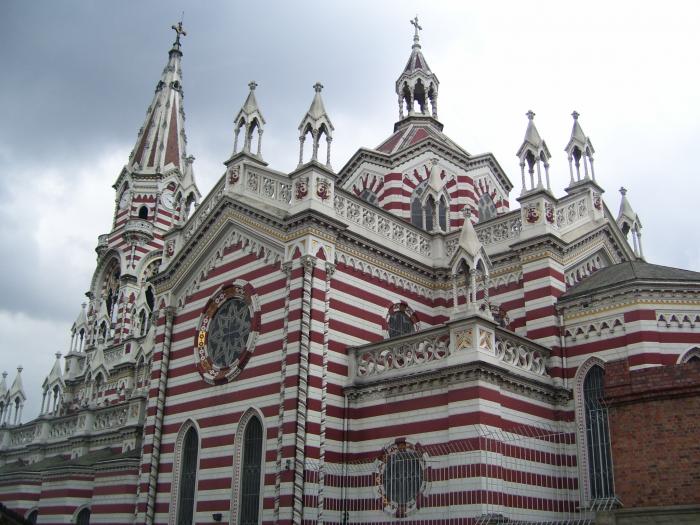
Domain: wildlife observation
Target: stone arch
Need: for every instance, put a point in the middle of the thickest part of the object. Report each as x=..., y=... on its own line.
x=690, y=355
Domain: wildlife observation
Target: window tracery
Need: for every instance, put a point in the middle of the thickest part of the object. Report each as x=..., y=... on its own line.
x=251, y=469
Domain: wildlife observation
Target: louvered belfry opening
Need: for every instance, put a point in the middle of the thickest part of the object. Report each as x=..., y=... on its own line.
x=250, y=472
x=188, y=478
x=600, y=468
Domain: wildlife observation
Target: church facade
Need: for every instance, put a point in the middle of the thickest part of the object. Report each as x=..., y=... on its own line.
x=393, y=342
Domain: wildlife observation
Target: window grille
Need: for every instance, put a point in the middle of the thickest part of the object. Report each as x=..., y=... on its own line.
x=399, y=324
x=600, y=471
x=250, y=472
x=188, y=478
x=83, y=517
x=403, y=476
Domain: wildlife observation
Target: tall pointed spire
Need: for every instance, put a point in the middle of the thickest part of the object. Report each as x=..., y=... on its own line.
x=417, y=84
x=579, y=147
x=317, y=122
x=249, y=119
x=160, y=145
x=533, y=152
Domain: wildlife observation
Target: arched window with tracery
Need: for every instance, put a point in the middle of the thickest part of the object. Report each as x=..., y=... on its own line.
x=426, y=213
x=599, y=459
x=487, y=208
x=251, y=470
x=187, y=481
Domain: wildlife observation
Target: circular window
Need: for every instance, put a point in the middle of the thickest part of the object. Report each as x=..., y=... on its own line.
x=401, y=478
x=227, y=332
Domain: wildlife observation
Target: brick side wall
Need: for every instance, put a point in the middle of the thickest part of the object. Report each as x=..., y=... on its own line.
x=654, y=424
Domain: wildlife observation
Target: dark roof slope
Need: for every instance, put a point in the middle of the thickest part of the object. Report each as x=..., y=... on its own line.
x=629, y=272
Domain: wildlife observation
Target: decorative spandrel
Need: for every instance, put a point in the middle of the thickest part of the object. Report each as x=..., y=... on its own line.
x=228, y=332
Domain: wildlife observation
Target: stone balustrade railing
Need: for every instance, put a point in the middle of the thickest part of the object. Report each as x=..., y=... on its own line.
x=402, y=353
x=521, y=353
x=390, y=228
x=473, y=338
x=89, y=421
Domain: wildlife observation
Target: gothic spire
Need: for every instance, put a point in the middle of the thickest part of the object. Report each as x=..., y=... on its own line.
x=160, y=145
x=249, y=119
x=317, y=123
x=417, y=84
x=579, y=147
x=533, y=152
x=629, y=221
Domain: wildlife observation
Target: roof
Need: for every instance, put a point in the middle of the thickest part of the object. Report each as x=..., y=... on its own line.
x=630, y=272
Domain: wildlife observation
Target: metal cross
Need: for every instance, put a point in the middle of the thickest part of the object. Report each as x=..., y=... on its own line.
x=179, y=31
x=417, y=27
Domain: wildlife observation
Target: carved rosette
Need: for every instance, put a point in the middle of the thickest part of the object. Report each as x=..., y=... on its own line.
x=210, y=371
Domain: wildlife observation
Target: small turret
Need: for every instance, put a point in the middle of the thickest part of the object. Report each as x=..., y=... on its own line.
x=249, y=119
x=579, y=148
x=53, y=388
x=317, y=123
x=628, y=221
x=417, y=84
x=15, y=400
x=533, y=153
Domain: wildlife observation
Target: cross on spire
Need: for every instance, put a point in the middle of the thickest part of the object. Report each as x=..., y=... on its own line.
x=178, y=31
x=417, y=28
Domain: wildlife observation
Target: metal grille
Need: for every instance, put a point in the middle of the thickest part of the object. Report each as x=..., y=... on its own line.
x=399, y=324
x=188, y=478
x=250, y=472
x=600, y=469
x=519, y=476
x=83, y=517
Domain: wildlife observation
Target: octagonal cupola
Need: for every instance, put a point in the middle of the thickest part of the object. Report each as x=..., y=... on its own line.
x=417, y=86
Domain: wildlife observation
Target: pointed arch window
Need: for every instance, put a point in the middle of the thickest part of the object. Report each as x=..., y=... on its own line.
x=429, y=215
x=600, y=469
x=33, y=516
x=487, y=208
x=188, y=478
x=442, y=214
x=83, y=517
x=251, y=470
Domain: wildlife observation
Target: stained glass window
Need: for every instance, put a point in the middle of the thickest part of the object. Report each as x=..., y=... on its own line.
x=597, y=436
x=250, y=472
x=188, y=478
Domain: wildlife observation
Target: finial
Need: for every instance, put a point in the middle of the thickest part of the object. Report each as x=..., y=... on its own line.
x=467, y=212
x=434, y=161
x=530, y=115
x=252, y=85
x=318, y=87
x=417, y=28
x=19, y=369
x=623, y=191
x=575, y=115
x=178, y=31
x=58, y=355
x=4, y=374
x=83, y=305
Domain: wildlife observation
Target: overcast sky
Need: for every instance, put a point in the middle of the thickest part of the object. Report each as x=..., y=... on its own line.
x=77, y=77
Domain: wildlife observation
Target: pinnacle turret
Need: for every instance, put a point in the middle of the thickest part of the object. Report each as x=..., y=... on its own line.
x=629, y=221
x=249, y=119
x=579, y=148
x=317, y=123
x=417, y=84
x=533, y=153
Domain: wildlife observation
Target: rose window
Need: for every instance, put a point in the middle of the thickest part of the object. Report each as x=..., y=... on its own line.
x=228, y=332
